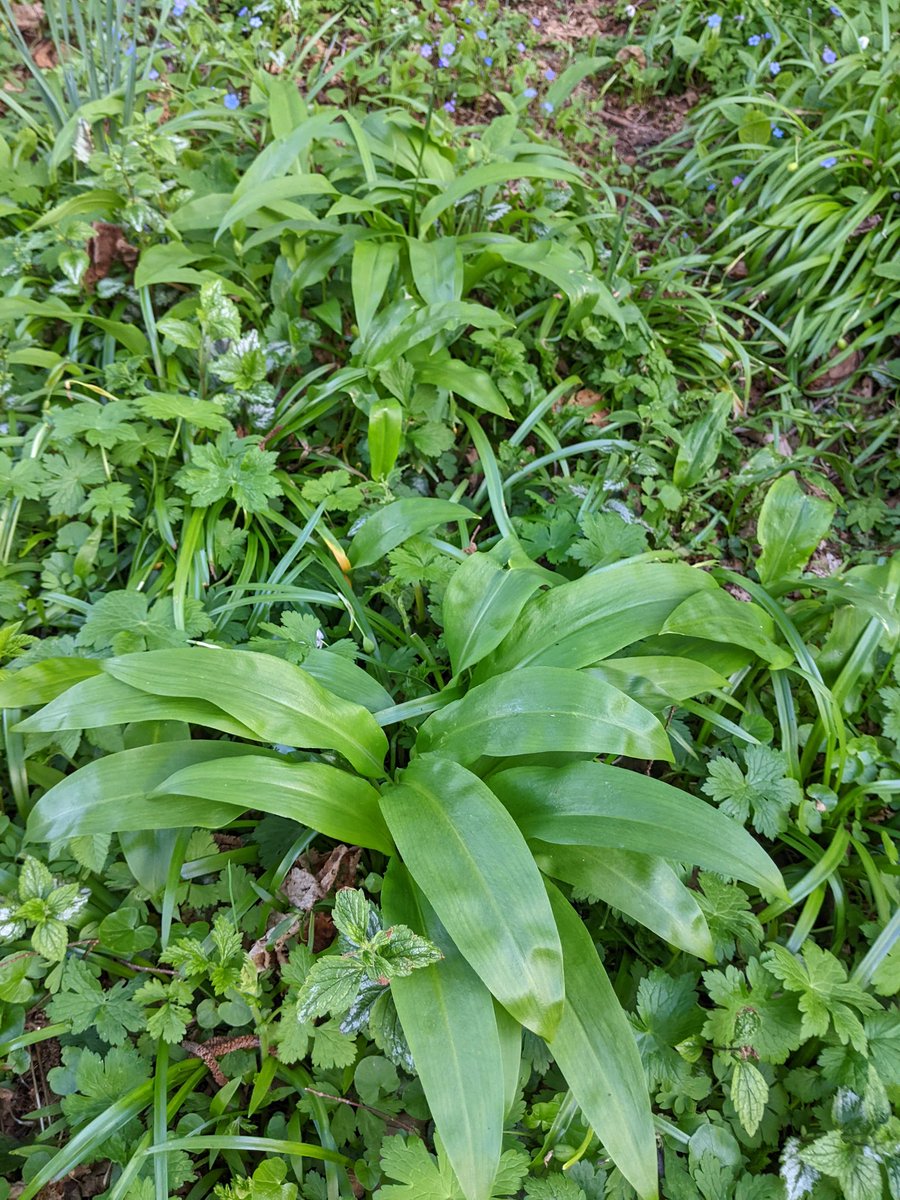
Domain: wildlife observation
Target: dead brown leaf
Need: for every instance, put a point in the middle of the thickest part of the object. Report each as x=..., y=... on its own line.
x=632, y=54
x=44, y=55
x=108, y=246
x=29, y=18
x=318, y=874
x=837, y=373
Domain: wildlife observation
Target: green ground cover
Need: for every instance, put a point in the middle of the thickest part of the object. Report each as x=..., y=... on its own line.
x=449, y=601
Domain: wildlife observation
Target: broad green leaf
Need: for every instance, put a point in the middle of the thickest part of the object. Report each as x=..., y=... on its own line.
x=387, y=527
x=44, y=680
x=488, y=175
x=481, y=604
x=755, y=128
x=791, y=525
x=14, y=308
x=347, y=680
x=656, y=680
x=385, y=430
x=280, y=156
x=645, y=888
x=722, y=618
x=163, y=262
x=698, y=448
x=463, y=850
x=103, y=700
x=582, y=622
x=471, y=383
x=272, y=192
x=371, y=269
x=281, y=703
x=749, y=1093
x=437, y=269
x=113, y=793
x=543, y=710
x=448, y=1018
x=148, y=853
x=422, y=324
x=97, y=202
x=324, y=798
x=596, y=1051
x=589, y=804
x=563, y=268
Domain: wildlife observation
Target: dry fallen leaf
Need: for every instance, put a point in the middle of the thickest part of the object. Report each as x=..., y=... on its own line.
x=28, y=18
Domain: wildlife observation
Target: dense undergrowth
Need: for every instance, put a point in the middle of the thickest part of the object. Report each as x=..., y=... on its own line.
x=450, y=600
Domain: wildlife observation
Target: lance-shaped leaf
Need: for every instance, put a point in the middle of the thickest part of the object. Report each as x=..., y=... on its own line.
x=323, y=797
x=448, y=1018
x=594, y=1047
x=388, y=527
x=589, y=804
x=656, y=680
x=463, y=850
x=44, y=681
x=720, y=617
x=112, y=794
x=281, y=703
x=584, y=621
x=791, y=525
x=481, y=604
x=645, y=888
x=102, y=700
x=544, y=710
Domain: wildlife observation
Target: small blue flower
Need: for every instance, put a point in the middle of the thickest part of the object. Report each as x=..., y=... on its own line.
x=443, y=62
x=447, y=49
x=835, y=11
x=740, y=18
x=179, y=8
x=426, y=50
x=530, y=93
x=521, y=47
x=549, y=74
x=737, y=181
x=129, y=50
x=714, y=20
x=547, y=106
x=467, y=20
x=242, y=12
x=774, y=68
x=776, y=132
x=153, y=73
x=481, y=34
x=255, y=22
x=535, y=22
x=232, y=100
x=754, y=39
x=450, y=106
x=767, y=36
x=710, y=187
x=828, y=56
x=488, y=61
x=829, y=162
